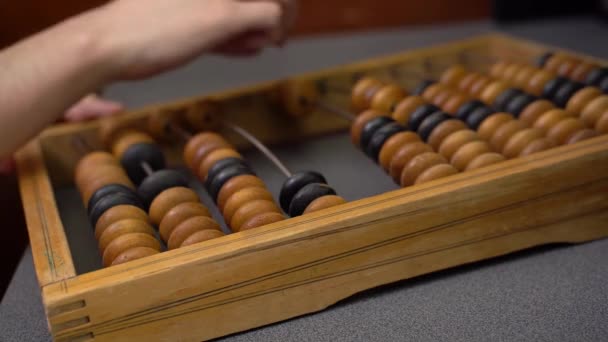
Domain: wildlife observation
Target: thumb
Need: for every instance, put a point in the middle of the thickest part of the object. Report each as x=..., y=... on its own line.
x=259, y=16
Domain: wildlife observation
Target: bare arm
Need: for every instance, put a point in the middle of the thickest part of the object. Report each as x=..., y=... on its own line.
x=42, y=76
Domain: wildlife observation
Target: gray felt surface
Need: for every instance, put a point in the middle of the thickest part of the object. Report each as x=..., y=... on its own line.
x=557, y=293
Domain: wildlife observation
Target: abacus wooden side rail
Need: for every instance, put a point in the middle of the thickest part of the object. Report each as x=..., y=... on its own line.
x=305, y=264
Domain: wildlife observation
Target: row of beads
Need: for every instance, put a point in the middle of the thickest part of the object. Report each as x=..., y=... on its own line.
x=576, y=69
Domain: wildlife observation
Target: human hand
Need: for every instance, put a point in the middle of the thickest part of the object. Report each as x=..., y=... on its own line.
x=146, y=38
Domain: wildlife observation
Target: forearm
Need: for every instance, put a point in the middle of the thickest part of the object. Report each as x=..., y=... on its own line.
x=45, y=74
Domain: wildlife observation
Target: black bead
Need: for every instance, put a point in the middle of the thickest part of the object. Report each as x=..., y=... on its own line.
x=519, y=102
x=604, y=84
x=565, y=92
x=215, y=184
x=137, y=154
x=380, y=137
x=542, y=59
x=596, y=76
x=428, y=125
x=293, y=184
x=467, y=108
x=421, y=87
x=476, y=118
x=501, y=101
x=552, y=87
x=112, y=200
x=306, y=195
x=370, y=128
x=158, y=182
x=223, y=164
x=106, y=190
x=419, y=114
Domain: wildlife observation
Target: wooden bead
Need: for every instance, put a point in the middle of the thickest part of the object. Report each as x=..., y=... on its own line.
x=498, y=69
x=419, y=164
x=431, y=91
x=91, y=173
x=406, y=107
x=454, y=102
x=520, y=140
x=464, y=155
x=118, y=213
x=537, y=83
x=455, y=141
x=179, y=214
x=566, y=67
x=602, y=123
x=387, y=98
x=360, y=121
x=443, y=130
x=213, y=157
x=504, y=133
x=453, y=75
x=393, y=144
x=236, y=184
x=479, y=86
x=110, y=127
x=492, y=90
x=159, y=123
x=126, y=139
x=581, y=98
x=467, y=81
x=299, y=97
x=535, y=110
x=241, y=197
x=134, y=254
x=510, y=71
x=189, y=227
x=484, y=160
x=93, y=160
x=537, y=145
x=203, y=115
x=550, y=119
x=593, y=110
x=194, y=151
x=581, y=71
x=442, y=96
x=125, y=242
x=323, y=202
x=360, y=91
x=261, y=220
x=249, y=210
x=200, y=236
x=581, y=135
x=404, y=155
x=554, y=62
x=436, y=172
x=489, y=126
x=122, y=227
x=168, y=199
x=563, y=130
x=90, y=187
x=523, y=76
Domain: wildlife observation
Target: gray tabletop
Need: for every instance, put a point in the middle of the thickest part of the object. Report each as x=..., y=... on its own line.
x=548, y=294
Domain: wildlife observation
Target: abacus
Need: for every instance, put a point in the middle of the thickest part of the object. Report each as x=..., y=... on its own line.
x=495, y=145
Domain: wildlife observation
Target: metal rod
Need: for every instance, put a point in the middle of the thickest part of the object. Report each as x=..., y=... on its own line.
x=261, y=147
x=180, y=131
x=147, y=168
x=337, y=111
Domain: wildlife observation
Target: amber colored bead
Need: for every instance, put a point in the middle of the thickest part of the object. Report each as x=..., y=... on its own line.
x=125, y=242
x=393, y=144
x=538, y=81
x=466, y=83
x=504, y=133
x=360, y=89
x=235, y=184
x=404, y=155
x=554, y=62
x=601, y=124
x=179, y=214
x=242, y=197
x=324, y=202
x=535, y=110
x=520, y=140
x=419, y=164
x=455, y=141
x=134, y=254
x=581, y=98
x=193, y=146
x=359, y=122
x=455, y=102
x=443, y=130
x=489, y=126
x=484, y=159
x=550, y=119
x=566, y=67
x=200, y=236
x=563, y=130
x=213, y=157
x=123, y=227
x=492, y=90
x=168, y=199
x=93, y=160
x=581, y=71
x=465, y=154
x=511, y=71
x=441, y=98
x=537, y=145
x=118, y=213
x=249, y=210
x=593, y=110
x=436, y=172
x=387, y=98
x=581, y=135
x=261, y=220
x=453, y=75
x=479, y=86
x=523, y=76
x=406, y=107
x=126, y=139
x=431, y=91
x=498, y=69
x=189, y=227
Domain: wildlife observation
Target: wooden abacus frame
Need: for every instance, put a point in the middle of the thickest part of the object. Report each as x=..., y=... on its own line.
x=308, y=263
